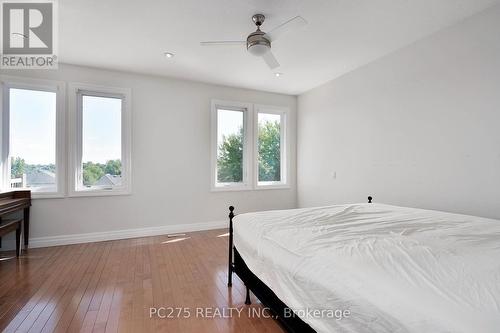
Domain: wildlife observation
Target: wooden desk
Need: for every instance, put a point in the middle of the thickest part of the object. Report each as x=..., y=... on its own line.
x=8, y=226
x=15, y=201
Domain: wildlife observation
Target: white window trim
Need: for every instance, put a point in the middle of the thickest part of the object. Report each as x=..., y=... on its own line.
x=75, y=128
x=247, y=109
x=284, y=147
x=59, y=88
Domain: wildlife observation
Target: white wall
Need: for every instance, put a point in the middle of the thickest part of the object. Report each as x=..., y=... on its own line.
x=170, y=161
x=420, y=127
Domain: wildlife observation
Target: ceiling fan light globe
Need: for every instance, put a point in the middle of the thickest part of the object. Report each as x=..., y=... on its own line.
x=258, y=49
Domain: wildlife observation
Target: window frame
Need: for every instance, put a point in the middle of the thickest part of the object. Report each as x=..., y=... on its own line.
x=57, y=87
x=77, y=91
x=247, y=109
x=283, y=112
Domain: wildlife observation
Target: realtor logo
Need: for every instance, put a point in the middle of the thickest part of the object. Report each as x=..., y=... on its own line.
x=28, y=34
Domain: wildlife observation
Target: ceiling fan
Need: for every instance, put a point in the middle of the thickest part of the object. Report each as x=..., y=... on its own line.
x=259, y=42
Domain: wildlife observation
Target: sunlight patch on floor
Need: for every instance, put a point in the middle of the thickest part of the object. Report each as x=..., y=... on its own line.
x=175, y=240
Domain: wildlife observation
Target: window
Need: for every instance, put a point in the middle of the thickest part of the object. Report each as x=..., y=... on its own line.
x=270, y=160
x=34, y=136
x=101, y=141
x=230, y=153
x=32, y=149
x=232, y=168
x=229, y=146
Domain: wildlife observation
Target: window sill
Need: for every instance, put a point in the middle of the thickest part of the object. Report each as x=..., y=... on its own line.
x=272, y=187
x=90, y=193
x=36, y=196
x=248, y=188
x=231, y=188
x=99, y=193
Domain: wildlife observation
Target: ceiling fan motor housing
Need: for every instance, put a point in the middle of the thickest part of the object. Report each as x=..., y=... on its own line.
x=257, y=44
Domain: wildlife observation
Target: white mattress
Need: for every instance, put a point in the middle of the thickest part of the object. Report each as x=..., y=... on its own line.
x=395, y=269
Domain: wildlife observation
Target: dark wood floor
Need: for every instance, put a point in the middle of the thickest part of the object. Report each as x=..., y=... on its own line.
x=111, y=286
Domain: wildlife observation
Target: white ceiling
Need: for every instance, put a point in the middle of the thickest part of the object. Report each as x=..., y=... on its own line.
x=341, y=36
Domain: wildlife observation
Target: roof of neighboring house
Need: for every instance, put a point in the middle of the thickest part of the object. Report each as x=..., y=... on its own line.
x=35, y=177
x=109, y=180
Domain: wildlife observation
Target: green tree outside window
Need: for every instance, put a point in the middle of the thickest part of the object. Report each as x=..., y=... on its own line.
x=230, y=154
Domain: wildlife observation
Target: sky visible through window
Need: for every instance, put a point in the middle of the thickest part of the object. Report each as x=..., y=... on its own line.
x=33, y=126
x=101, y=129
x=228, y=122
x=268, y=117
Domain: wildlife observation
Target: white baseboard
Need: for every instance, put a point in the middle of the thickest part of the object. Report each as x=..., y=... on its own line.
x=123, y=234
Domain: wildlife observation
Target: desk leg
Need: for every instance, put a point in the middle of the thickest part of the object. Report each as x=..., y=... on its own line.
x=18, y=240
x=26, y=226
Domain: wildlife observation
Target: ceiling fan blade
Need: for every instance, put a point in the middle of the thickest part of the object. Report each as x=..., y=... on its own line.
x=270, y=60
x=292, y=24
x=224, y=43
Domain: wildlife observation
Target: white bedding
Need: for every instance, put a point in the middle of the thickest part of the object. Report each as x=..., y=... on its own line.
x=395, y=269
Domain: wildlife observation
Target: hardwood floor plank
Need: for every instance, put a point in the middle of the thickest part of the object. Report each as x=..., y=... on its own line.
x=35, y=305
x=111, y=287
x=79, y=264
x=26, y=277
x=76, y=287
x=81, y=294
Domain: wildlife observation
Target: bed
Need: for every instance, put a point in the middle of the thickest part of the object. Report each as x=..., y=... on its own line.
x=370, y=268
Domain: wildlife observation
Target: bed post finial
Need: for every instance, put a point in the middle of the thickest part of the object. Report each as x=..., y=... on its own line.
x=230, y=265
x=370, y=199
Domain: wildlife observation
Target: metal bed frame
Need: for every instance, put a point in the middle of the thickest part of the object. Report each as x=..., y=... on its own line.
x=278, y=309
